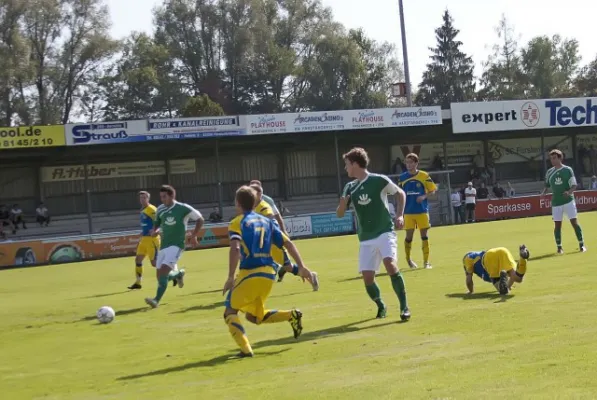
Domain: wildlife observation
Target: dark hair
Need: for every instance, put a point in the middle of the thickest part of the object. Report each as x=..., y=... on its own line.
x=413, y=157
x=168, y=189
x=557, y=153
x=246, y=198
x=357, y=155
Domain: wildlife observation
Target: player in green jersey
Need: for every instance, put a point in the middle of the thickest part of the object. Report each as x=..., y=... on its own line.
x=171, y=222
x=368, y=194
x=560, y=179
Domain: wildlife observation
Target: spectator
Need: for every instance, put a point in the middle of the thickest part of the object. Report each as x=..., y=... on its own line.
x=498, y=191
x=5, y=220
x=283, y=210
x=491, y=172
x=483, y=192
x=215, y=216
x=478, y=162
x=593, y=184
x=593, y=159
x=437, y=163
x=42, y=215
x=511, y=192
x=398, y=167
x=456, y=202
x=583, y=157
x=16, y=217
x=470, y=201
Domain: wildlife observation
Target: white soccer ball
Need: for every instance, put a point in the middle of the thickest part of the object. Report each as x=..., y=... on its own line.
x=105, y=315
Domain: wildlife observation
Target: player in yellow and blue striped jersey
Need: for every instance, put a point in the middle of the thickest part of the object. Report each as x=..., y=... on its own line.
x=251, y=239
x=148, y=245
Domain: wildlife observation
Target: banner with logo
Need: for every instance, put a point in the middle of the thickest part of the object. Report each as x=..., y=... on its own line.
x=329, y=224
x=504, y=151
x=342, y=120
x=586, y=140
x=105, y=133
x=299, y=226
x=194, y=128
x=116, y=170
x=516, y=115
x=32, y=137
x=459, y=153
x=81, y=248
x=528, y=206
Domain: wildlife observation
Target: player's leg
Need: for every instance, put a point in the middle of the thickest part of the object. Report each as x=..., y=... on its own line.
x=572, y=213
x=424, y=225
x=369, y=260
x=138, y=271
x=237, y=331
x=388, y=249
x=557, y=214
x=166, y=272
x=507, y=267
x=410, y=224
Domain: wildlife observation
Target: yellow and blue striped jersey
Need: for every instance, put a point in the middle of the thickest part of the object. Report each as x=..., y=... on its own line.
x=257, y=235
x=414, y=186
x=263, y=208
x=473, y=263
x=147, y=218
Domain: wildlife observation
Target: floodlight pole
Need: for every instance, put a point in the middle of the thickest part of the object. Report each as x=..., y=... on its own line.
x=409, y=100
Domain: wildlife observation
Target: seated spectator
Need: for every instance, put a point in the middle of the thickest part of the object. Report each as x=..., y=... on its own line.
x=511, y=192
x=16, y=217
x=5, y=220
x=42, y=215
x=437, y=163
x=215, y=216
x=593, y=184
x=483, y=192
x=499, y=191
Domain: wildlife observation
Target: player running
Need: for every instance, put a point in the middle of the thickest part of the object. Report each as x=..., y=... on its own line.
x=496, y=266
x=560, y=179
x=368, y=194
x=279, y=253
x=171, y=221
x=251, y=239
x=148, y=245
x=418, y=186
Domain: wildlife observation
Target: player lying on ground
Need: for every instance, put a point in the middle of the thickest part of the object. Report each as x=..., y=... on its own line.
x=171, y=221
x=560, y=179
x=368, y=194
x=279, y=254
x=148, y=245
x=251, y=239
x=496, y=266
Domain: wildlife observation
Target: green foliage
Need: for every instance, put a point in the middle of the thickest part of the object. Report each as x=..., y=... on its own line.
x=201, y=106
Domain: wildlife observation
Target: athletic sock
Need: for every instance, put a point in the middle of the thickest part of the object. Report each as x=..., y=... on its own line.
x=579, y=236
x=407, y=247
x=425, y=249
x=375, y=294
x=139, y=272
x=557, y=233
x=274, y=316
x=522, y=266
x=399, y=289
x=162, y=286
x=238, y=333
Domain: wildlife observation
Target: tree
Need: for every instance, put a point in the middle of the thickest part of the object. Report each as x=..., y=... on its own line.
x=201, y=106
x=449, y=76
x=503, y=78
x=585, y=83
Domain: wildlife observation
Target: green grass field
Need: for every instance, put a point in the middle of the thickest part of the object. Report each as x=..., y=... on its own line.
x=539, y=342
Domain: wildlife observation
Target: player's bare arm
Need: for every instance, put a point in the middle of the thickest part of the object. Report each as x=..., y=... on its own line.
x=469, y=283
x=195, y=234
x=304, y=272
x=400, y=204
x=280, y=220
x=341, y=210
x=233, y=260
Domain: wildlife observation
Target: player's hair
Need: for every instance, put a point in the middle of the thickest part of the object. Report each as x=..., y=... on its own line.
x=357, y=155
x=246, y=197
x=413, y=157
x=557, y=153
x=255, y=182
x=168, y=189
x=143, y=192
x=257, y=188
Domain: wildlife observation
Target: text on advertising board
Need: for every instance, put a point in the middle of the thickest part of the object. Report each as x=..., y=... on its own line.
x=31, y=136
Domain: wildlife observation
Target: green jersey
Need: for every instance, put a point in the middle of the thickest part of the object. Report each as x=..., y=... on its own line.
x=173, y=221
x=369, y=199
x=559, y=181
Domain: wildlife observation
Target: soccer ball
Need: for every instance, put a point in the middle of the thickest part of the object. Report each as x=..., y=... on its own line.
x=105, y=315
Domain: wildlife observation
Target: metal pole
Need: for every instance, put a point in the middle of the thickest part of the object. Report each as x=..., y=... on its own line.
x=219, y=176
x=543, y=160
x=409, y=100
x=88, y=194
x=338, y=167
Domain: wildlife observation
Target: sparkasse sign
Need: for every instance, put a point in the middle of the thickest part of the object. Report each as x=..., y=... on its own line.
x=523, y=114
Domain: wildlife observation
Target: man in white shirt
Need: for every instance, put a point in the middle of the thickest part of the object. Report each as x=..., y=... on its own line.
x=593, y=184
x=42, y=215
x=16, y=216
x=456, y=203
x=511, y=192
x=470, y=201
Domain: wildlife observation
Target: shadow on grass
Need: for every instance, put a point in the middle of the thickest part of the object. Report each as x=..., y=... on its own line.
x=97, y=296
x=359, y=278
x=205, y=292
x=199, y=364
x=119, y=313
x=478, y=296
x=324, y=333
x=204, y=307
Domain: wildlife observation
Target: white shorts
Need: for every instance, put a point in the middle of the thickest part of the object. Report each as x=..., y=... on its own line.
x=169, y=256
x=372, y=252
x=557, y=212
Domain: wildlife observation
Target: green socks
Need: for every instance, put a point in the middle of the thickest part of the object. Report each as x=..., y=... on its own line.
x=400, y=289
x=578, y=231
x=375, y=294
x=557, y=233
x=162, y=286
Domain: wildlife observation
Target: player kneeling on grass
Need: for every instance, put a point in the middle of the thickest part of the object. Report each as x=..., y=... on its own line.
x=251, y=239
x=496, y=266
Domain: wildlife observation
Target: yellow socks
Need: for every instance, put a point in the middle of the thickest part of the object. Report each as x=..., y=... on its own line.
x=407, y=247
x=238, y=333
x=139, y=272
x=522, y=266
x=273, y=316
x=425, y=249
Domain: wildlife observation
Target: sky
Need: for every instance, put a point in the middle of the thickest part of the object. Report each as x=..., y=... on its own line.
x=476, y=20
